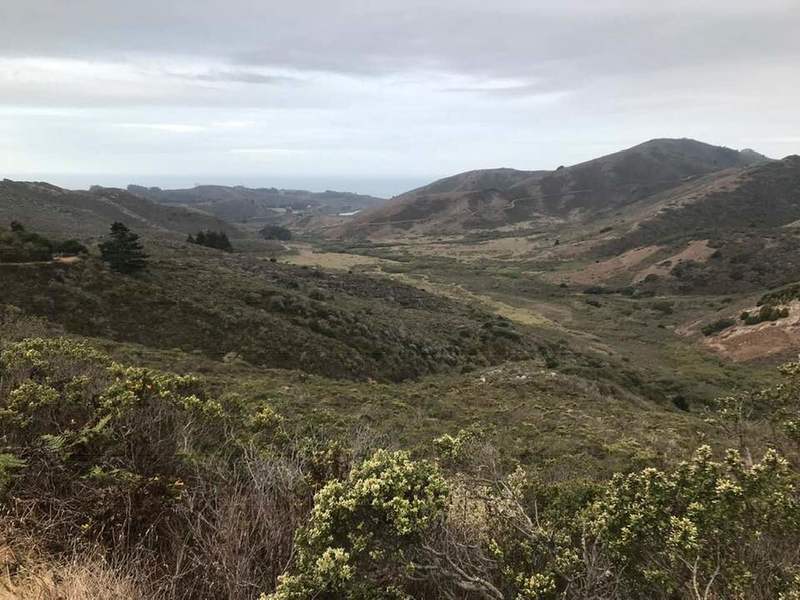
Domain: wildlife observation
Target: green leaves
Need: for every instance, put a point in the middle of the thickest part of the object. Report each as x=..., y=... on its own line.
x=361, y=530
x=123, y=252
x=8, y=465
x=705, y=520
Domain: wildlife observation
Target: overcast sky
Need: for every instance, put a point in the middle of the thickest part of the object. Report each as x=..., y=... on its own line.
x=379, y=96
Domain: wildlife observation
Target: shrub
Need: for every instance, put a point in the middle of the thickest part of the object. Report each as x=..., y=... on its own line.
x=212, y=239
x=276, y=232
x=20, y=245
x=722, y=527
x=665, y=307
x=113, y=440
x=362, y=532
x=717, y=326
x=70, y=248
x=597, y=289
x=767, y=312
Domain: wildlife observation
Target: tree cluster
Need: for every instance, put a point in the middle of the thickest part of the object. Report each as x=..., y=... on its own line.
x=17, y=244
x=276, y=232
x=211, y=239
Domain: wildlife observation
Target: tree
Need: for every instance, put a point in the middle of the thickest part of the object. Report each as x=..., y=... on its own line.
x=70, y=248
x=123, y=252
x=276, y=232
x=211, y=239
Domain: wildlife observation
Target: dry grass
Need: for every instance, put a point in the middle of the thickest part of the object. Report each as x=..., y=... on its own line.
x=79, y=580
x=697, y=250
x=306, y=256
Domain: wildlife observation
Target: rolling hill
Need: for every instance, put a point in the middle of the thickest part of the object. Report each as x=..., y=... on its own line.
x=52, y=210
x=501, y=198
x=266, y=313
x=741, y=223
x=241, y=204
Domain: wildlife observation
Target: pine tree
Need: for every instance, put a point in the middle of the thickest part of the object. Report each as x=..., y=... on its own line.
x=123, y=252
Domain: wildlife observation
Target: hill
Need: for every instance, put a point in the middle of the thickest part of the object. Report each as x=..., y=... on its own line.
x=730, y=231
x=504, y=197
x=481, y=179
x=339, y=325
x=241, y=204
x=55, y=211
x=188, y=431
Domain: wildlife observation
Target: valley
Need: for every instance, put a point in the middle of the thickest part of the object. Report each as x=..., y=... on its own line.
x=578, y=326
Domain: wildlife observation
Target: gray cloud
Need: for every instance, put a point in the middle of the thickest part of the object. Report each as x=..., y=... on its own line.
x=387, y=87
x=237, y=76
x=354, y=36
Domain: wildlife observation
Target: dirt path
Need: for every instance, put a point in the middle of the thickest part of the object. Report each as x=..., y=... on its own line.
x=58, y=260
x=458, y=292
x=341, y=261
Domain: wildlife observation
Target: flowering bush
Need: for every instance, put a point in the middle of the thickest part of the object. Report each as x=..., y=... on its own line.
x=706, y=529
x=362, y=532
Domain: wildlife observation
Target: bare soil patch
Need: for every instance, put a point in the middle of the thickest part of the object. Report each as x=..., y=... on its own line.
x=743, y=343
x=697, y=250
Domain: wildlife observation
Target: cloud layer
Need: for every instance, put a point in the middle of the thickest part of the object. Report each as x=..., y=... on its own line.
x=377, y=89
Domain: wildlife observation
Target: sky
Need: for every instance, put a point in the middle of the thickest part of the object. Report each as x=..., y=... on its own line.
x=380, y=96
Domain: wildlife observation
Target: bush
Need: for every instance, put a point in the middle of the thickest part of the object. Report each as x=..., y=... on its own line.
x=717, y=326
x=767, y=312
x=276, y=232
x=112, y=439
x=363, y=532
x=70, y=248
x=719, y=526
x=20, y=245
x=212, y=239
x=665, y=307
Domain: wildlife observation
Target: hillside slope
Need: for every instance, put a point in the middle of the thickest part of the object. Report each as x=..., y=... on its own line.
x=56, y=211
x=239, y=203
x=505, y=197
x=338, y=325
x=758, y=198
x=727, y=232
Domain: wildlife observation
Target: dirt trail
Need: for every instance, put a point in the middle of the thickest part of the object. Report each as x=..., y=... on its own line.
x=458, y=292
x=58, y=260
x=306, y=256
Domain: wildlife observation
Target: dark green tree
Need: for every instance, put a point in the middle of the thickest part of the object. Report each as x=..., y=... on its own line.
x=276, y=232
x=123, y=252
x=212, y=239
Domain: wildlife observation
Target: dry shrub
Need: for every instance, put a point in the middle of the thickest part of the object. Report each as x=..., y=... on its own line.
x=76, y=580
x=28, y=574
x=239, y=530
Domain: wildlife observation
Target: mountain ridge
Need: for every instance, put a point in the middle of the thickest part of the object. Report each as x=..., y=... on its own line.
x=53, y=210
x=241, y=204
x=495, y=198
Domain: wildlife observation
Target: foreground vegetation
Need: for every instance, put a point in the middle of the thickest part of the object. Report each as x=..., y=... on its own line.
x=18, y=245
x=221, y=425
x=170, y=486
